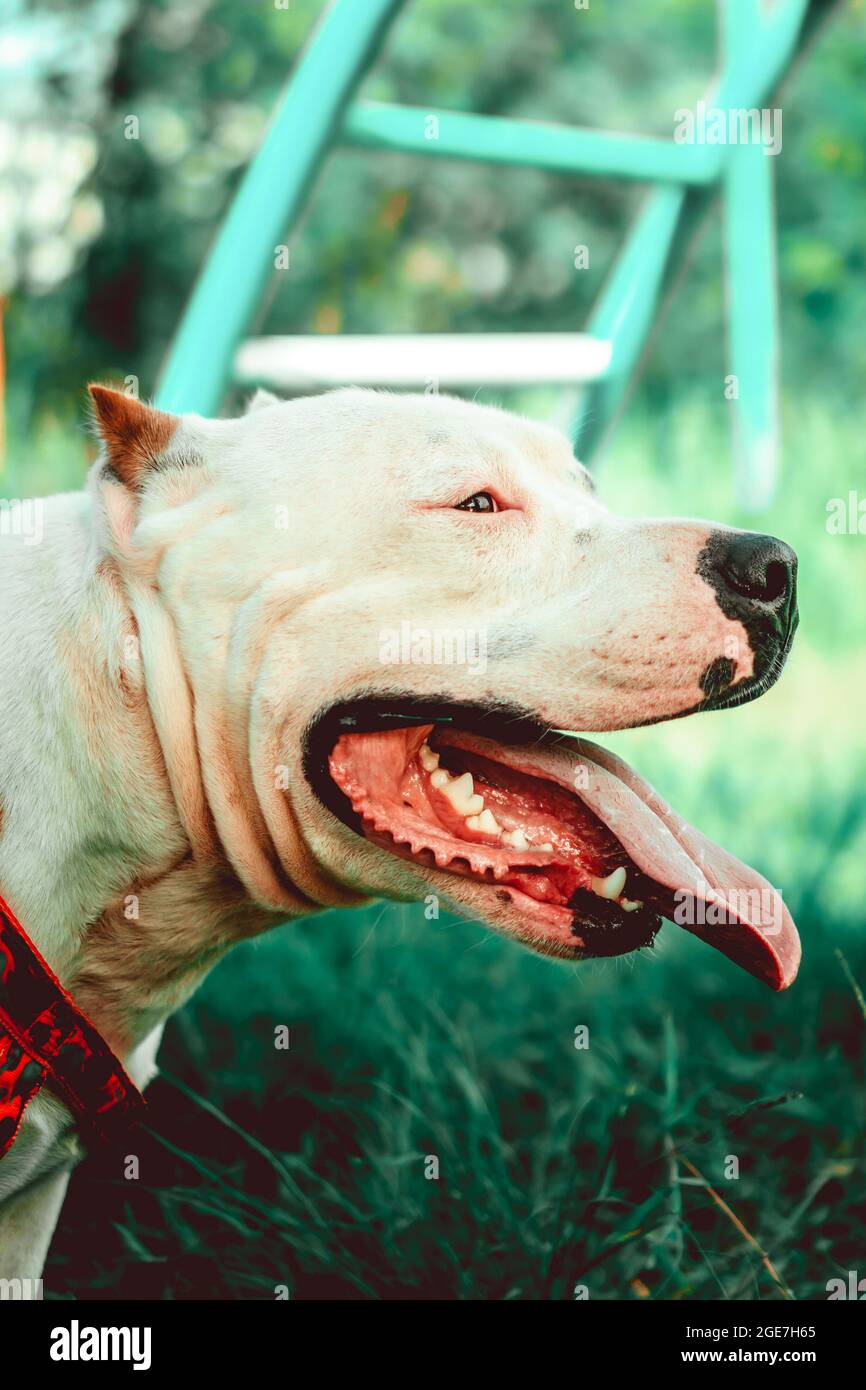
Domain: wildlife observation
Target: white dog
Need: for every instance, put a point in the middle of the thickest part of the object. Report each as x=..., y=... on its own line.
x=293, y=661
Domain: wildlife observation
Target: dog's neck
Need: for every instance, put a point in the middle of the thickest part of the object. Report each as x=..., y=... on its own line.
x=86, y=807
x=108, y=851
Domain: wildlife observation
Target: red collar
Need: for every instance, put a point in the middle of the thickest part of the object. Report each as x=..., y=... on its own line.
x=45, y=1039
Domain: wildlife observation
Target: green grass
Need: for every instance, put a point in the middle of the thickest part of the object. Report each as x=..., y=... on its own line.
x=557, y=1167
x=411, y=1038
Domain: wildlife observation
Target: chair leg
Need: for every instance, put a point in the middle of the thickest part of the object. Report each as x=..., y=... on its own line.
x=625, y=311
x=752, y=386
x=268, y=202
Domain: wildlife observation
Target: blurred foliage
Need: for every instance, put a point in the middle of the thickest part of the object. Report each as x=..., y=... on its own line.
x=390, y=242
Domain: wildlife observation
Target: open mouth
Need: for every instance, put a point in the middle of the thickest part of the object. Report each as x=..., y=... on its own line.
x=579, y=853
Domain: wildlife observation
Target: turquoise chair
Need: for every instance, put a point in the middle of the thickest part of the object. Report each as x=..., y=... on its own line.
x=759, y=40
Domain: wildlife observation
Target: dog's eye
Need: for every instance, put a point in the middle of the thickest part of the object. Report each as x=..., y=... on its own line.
x=478, y=502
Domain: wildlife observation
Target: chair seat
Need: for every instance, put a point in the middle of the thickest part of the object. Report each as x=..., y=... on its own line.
x=305, y=361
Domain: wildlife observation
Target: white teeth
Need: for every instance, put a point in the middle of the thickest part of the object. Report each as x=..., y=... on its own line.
x=429, y=759
x=515, y=838
x=547, y=846
x=463, y=797
x=460, y=791
x=462, y=786
x=485, y=824
x=629, y=905
x=609, y=887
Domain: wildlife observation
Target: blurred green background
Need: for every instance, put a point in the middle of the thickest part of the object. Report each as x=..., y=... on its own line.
x=305, y=1168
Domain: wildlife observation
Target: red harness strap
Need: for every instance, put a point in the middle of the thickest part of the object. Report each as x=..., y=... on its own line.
x=46, y=1040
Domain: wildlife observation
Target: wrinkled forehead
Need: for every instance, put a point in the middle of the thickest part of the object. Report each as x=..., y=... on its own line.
x=410, y=443
x=435, y=435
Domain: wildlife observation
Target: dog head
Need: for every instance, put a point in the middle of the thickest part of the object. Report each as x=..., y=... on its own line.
x=375, y=611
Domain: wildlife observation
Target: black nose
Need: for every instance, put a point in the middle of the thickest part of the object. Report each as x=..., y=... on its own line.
x=755, y=582
x=760, y=568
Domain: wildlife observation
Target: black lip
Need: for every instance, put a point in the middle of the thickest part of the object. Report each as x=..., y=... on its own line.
x=606, y=929
x=366, y=714
x=770, y=657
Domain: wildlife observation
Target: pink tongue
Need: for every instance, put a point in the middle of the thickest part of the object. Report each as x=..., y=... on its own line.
x=716, y=896
x=748, y=921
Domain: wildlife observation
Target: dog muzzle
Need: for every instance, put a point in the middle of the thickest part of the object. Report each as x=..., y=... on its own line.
x=45, y=1040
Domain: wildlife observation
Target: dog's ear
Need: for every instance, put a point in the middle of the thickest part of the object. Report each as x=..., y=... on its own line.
x=261, y=399
x=135, y=435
